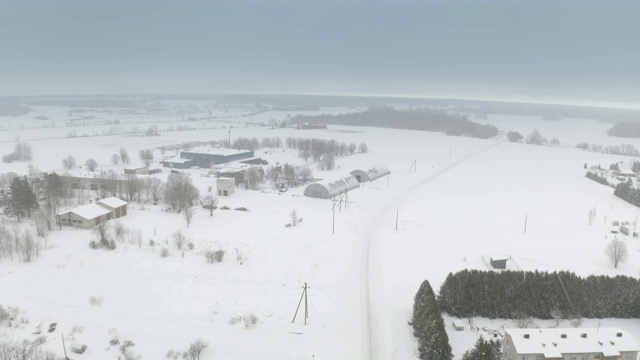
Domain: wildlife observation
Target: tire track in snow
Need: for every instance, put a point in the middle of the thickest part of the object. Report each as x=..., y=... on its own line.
x=375, y=329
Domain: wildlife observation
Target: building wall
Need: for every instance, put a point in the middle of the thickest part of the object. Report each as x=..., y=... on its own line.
x=223, y=185
x=509, y=353
x=77, y=221
x=205, y=160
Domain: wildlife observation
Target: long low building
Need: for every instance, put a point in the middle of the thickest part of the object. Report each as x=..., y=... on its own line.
x=89, y=215
x=370, y=174
x=569, y=343
x=327, y=189
x=206, y=157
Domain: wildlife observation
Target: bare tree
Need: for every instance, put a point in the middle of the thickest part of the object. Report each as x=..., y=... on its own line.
x=188, y=213
x=327, y=162
x=616, y=252
x=195, y=349
x=179, y=191
x=69, y=162
x=252, y=178
x=179, y=239
x=304, y=174
x=155, y=190
x=294, y=218
x=146, y=155
x=363, y=148
x=124, y=156
x=28, y=246
x=115, y=159
x=91, y=164
x=209, y=202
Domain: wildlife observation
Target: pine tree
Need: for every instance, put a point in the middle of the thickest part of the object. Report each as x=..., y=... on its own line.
x=428, y=326
x=484, y=350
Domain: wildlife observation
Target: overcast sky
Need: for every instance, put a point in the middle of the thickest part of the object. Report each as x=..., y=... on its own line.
x=574, y=51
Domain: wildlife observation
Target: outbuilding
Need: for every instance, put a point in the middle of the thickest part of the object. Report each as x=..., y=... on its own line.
x=225, y=186
x=371, y=173
x=327, y=189
x=89, y=215
x=499, y=262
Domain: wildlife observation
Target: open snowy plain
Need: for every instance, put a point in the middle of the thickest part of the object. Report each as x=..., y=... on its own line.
x=466, y=200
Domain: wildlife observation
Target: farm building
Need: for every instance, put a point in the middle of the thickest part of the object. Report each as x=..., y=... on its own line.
x=207, y=157
x=140, y=170
x=86, y=216
x=499, y=262
x=327, y=189
x=370, y=174
x=225, y=186
x=574, y=343
x=178, y=163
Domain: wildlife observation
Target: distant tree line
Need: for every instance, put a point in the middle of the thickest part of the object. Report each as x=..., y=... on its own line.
x=625, y=130
x=428, y=326
x=597, y=178
x=543, y=295
x=417, y=119
x=623, y=149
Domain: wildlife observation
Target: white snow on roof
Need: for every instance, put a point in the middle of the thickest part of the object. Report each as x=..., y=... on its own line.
x=499, y=257
x=552, y=344
x=215, y=151
x=177, y=160
x=89, y=211
x=113, y=202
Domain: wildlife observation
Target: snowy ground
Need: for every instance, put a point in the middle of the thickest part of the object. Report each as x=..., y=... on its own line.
x=467, y=199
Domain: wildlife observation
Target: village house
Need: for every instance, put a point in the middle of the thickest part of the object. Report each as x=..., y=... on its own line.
x=602, y=343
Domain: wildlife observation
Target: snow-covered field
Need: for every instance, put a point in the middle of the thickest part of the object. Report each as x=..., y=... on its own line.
x=466, y=200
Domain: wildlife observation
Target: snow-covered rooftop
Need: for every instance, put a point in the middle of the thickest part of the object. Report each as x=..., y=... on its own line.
x=89, y=211
x=177, y=160
x=113, y=202
x=552, y=343
x=216, y=151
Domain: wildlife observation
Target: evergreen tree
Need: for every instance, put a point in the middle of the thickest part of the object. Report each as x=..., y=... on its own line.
x=484, y=350
x=428, y=326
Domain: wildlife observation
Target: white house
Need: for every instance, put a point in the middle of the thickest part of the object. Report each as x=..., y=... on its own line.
x=603, y=343
x=225, y=186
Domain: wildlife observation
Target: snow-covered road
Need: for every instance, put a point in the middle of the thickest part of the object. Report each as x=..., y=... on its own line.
x=375, y=330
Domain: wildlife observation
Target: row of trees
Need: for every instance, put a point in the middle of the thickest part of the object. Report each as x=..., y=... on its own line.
x=534, y=138
x=543, y=295
x=597, y=178
x=413, y=119
x=19, y=245
x=623, y=149
x=428, y=326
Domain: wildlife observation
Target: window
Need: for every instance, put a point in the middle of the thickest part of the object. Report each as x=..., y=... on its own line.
x=574, y=358
x=524, y=357
x=74, y=185
x=596, y=356
x=94, y=186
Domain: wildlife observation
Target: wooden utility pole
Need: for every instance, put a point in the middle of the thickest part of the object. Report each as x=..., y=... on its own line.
x=388, y=181
x=634, y=226
x=64, y=347
x=525, y=222
x=396, y=220
x=306, y=303
x=229, y=138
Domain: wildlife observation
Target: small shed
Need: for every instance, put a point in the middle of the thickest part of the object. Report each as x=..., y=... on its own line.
x=371, y=173
x=457, y=325
x=226, y=186
x=117, y=206
x=327, y=189
x=499, y=262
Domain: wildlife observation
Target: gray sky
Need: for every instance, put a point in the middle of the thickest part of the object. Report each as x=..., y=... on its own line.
x=564, y=51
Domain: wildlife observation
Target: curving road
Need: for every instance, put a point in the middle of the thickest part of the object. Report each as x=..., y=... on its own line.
x=375, y=329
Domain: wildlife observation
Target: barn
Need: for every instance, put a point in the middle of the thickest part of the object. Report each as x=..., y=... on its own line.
x=88, y=215
x=327, y=189
x=370, y=174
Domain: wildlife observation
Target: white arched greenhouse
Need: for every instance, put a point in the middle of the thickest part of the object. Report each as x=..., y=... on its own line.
x=327, y=189
x=371, y=174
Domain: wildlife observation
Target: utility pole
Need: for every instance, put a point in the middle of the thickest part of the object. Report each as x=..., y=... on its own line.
x=333, y=228
x=64, y=347
x=396, y=219
x=525, y=222
x=306, y=303
x=229, y=138
x=634, y=226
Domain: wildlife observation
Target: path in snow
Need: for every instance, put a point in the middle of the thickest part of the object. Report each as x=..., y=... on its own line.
x=376, y=335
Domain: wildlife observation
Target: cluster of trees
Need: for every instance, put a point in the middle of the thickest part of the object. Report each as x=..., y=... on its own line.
x=121, y=156
x=543, y=295
x=19, y=199
x=534, y=138
x=317, y=149
x=597, y=178
x=627, y=192
x=179, y=192
x=20, y=245
x=625, y=130
x=624, y=149
x=514, y=136
x=428, y=326
x=253, y=144
x=152, y=131
x=26, y=350
x=425, y=119
x=289, y=174
x=22, y=152
x=484, y=350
